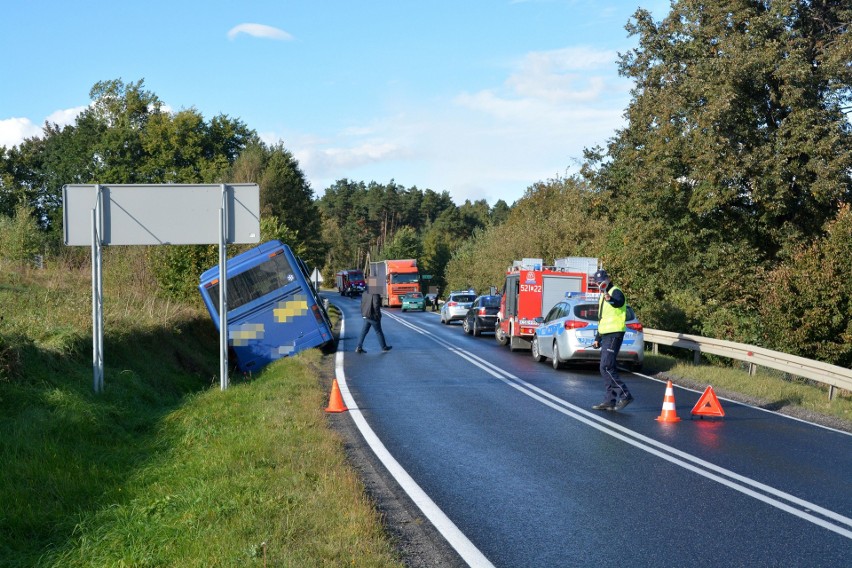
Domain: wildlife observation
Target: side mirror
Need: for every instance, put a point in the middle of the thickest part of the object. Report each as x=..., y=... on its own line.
x=539, y=319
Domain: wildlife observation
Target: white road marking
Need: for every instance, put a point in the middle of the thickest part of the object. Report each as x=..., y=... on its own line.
x=465, y=548
x=745, y=485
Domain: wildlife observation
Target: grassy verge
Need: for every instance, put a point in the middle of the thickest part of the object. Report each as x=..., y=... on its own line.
x=163, y=468
x=769, y=389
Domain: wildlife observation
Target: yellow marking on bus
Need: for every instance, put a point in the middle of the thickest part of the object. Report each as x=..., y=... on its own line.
x=241, y=335
x=298, y=306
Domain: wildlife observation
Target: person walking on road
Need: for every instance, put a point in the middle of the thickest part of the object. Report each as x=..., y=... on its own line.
x=371, y=311
x=612, y=318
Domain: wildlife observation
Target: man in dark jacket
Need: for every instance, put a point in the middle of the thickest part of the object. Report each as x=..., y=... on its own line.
x=371, y=311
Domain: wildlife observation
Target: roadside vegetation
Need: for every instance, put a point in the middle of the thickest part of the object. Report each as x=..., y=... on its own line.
x=722, y=208
x=767, y=388
x=163, y=468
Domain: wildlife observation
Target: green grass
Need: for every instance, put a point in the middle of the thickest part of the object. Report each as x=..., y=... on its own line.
x=771, y=389
x=163, y=468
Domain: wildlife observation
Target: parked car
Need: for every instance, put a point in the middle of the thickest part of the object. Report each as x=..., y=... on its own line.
x=432, y=301
x=413, y=301
x=482, y=315
x=568, y=330
x=456, y=306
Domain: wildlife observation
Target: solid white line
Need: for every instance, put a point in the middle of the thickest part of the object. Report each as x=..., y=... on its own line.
x=465, y=548
x=650, y=445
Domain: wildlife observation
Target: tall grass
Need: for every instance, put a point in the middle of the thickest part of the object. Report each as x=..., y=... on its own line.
x=163, y=468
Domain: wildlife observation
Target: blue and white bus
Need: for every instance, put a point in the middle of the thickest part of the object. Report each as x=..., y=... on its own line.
x=273, y=309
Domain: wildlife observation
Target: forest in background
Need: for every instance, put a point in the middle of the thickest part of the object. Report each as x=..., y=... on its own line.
x=722, y=207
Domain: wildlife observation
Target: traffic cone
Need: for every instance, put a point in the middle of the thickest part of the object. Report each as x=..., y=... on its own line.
x=669, y=413
x=335, y=402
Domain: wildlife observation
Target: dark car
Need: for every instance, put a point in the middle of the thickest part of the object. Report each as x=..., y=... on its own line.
x=482, y=315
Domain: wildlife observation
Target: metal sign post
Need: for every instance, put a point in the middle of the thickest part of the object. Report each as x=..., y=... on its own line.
x=97, y=297
x=223, y=292
x=160, y=214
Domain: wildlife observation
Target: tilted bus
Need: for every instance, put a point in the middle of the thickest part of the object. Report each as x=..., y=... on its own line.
x=273, y=309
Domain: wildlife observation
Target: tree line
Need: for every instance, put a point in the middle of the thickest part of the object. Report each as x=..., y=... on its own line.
x=722, y=207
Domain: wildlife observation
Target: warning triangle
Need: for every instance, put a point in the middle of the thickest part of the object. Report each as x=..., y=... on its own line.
x=708, y=404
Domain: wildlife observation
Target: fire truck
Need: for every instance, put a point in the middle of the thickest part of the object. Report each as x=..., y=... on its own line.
x=531, y=289
x=350, y=282
x=393, y=279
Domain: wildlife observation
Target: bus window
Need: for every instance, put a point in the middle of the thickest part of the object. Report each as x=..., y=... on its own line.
x=255, y=282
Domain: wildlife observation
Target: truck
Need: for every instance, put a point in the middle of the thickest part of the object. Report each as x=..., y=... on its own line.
x=531, y=288
x=393, y=279
x=350, y=282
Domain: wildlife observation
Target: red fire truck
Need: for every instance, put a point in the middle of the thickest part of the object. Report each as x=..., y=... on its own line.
x=531, y=289
x=350, y=282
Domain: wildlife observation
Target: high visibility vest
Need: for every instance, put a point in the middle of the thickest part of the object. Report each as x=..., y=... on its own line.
x=612, y=319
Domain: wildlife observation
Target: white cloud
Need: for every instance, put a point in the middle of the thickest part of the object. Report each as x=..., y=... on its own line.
x=13, y=131
x=66, y=116
x=259, y=30
x=492, y=143
x=564, y=76
x=326, y=162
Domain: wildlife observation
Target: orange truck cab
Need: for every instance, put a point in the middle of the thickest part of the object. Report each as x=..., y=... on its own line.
x=394, y=279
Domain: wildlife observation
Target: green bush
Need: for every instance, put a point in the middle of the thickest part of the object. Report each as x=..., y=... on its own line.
x=20, y=237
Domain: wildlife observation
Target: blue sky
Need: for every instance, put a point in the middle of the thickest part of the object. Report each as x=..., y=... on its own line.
x=478, y=98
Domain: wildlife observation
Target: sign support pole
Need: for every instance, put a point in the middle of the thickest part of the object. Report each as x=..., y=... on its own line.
x=97, y=297
x=99, y=215
x=223, y=290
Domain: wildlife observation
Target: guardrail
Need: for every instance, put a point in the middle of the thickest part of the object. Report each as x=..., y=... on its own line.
x=832, y=375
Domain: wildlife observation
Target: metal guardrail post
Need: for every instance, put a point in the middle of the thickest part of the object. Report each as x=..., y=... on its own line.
x=832, y=375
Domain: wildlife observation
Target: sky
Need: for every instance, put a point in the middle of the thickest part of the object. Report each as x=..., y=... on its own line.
x=478, y=98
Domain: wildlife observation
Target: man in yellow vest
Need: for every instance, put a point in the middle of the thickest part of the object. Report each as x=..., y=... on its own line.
x=612, y=318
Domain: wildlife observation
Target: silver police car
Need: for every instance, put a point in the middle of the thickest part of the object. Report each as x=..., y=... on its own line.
x=568, y=330
x=456, y=306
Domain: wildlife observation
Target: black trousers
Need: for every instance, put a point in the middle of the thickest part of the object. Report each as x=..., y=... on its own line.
x=375, y=324
x=615, y=387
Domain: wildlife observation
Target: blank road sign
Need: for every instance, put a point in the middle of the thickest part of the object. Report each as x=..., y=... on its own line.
x=161, y=214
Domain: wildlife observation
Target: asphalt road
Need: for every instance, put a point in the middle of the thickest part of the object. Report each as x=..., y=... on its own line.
x=509, y=463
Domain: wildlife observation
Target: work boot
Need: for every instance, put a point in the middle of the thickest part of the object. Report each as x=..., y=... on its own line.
x=359, y=350
x=387, y=348
x=604, y=406
x=623, y=402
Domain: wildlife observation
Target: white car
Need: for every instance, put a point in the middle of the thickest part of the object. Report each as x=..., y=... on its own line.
x=568, y=330
x=456, y=306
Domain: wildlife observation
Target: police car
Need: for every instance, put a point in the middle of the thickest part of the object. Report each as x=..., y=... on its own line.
x=567, y=332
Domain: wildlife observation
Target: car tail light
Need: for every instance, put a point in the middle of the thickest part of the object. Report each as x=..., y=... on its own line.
x=451, y=304
x=482, y=311
x=575, y=324
x=635, y=326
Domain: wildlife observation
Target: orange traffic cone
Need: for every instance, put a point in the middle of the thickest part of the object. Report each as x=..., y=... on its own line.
x=669, y=413
x=335, y=402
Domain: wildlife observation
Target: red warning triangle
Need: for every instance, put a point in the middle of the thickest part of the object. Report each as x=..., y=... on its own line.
x=708, y=404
